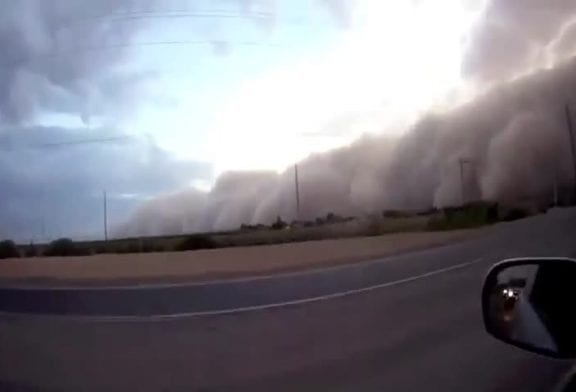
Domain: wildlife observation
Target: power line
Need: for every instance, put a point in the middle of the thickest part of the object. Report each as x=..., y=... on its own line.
x=175, y=15
x=86, y=141
x=67, y=143
x=161, y=15
x=206, y=42
x=164, y=43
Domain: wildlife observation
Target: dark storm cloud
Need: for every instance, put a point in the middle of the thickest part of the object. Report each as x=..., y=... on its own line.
x=67, y=57
x=59, y=185
x=60, y=51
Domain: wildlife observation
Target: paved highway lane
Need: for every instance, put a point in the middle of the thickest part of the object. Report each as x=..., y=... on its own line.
x=423, y=334
x=231, y=295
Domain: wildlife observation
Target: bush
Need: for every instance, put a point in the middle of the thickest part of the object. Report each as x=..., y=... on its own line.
x=63, y=247
x=394, y=214
x=279, y=224
x=148, y=247
x=374, y=227
x=468, y=216
x=514, y=214
x=245, y=227
x=380, y=226
x=197, y=241
x=31, y=251
x=100, y=250
x=131, y=248
x=8, y=249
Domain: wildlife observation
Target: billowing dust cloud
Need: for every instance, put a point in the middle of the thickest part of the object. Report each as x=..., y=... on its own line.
x=511, y=141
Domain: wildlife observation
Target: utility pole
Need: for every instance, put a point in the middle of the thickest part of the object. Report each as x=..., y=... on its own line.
x=105, y=200
x=555, y=189
x=42, y=229
x=572, y=146
x=297, y=189
x=42, y=235
x=461, y=163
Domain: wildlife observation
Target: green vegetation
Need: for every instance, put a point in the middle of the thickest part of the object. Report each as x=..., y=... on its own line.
x=329, y=226
x=64, y=247
x=279, y=224
x=197, y=241
x=394, y=214
x=8, y=249
x=514, y=214
x=329, y=219
x=379, y=226
x=31, y=251
x=465, y=217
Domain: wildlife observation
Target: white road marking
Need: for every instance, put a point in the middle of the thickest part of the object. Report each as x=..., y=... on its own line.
x=326, y=297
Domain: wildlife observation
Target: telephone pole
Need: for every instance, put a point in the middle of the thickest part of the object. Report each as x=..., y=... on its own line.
x=572, y=146
x=461, y=163
x=42, y=228
x=555, y=191
x=297, y=189
x=105, y=202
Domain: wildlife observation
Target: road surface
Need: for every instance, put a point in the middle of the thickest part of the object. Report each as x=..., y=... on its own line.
x=416, y=327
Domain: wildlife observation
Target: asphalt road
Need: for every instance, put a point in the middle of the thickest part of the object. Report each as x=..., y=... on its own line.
x=422, y=333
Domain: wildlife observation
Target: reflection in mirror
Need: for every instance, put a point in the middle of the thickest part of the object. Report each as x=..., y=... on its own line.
x=532, y=305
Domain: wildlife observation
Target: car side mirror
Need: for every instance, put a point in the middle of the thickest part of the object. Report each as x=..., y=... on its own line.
x=531, y=304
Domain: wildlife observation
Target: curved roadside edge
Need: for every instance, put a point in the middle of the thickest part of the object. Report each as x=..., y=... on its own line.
x=141, y=318
x=230, y=277
x=219, y=264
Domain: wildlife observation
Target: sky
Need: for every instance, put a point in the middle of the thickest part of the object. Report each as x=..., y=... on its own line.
x=142, y=99
x=273, y=89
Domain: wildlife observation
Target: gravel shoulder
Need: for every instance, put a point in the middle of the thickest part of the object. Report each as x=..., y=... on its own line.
x=215, y=264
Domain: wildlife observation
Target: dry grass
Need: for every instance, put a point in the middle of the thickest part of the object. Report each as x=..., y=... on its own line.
x=219, y=263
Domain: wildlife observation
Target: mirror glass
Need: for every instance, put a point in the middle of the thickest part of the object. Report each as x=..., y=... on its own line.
x=533, y=304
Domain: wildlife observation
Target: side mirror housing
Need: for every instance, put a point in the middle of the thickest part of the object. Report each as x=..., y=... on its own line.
x=531, y=303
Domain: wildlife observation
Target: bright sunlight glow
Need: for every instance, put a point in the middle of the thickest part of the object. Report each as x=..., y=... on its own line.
x=398, y=59
x=395, y=60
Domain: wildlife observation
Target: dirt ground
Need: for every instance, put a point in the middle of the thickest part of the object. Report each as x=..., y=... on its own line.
x=222, y=263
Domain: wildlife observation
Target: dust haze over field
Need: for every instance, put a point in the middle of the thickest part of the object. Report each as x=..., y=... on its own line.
x=518, y=62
